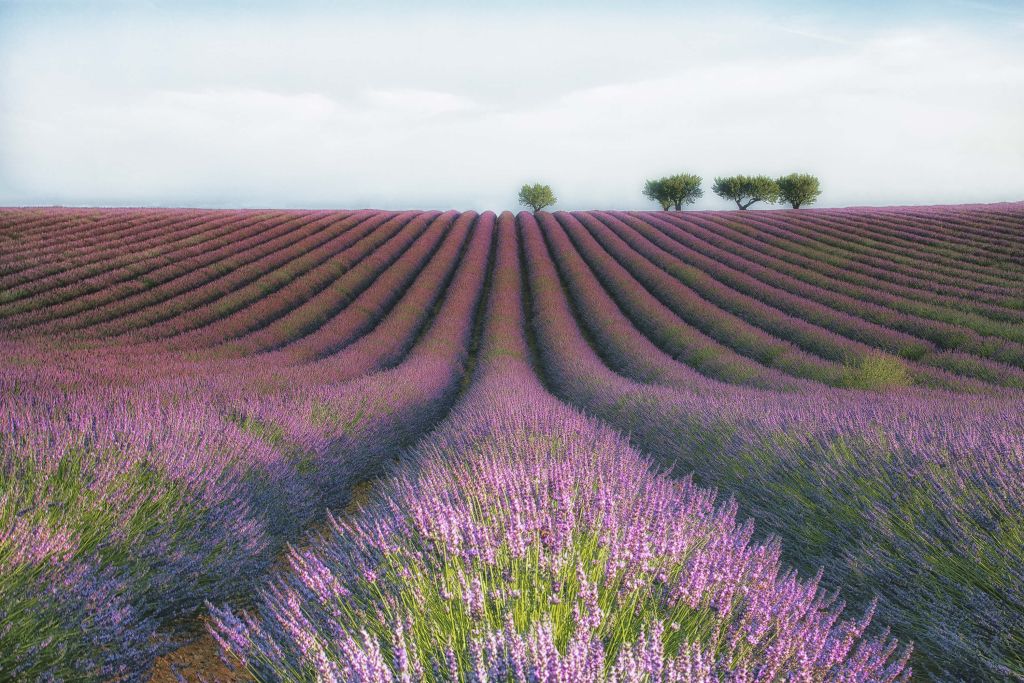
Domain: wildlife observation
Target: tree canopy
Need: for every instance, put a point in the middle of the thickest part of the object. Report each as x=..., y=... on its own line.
x=799, y=188
x=537, y=196
x=675, y=190
x=655, y=189
x=745, y=190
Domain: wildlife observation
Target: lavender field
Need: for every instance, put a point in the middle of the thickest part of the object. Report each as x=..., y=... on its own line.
x=604, y=446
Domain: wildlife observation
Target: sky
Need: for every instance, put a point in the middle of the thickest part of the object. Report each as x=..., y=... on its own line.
x=457, y=104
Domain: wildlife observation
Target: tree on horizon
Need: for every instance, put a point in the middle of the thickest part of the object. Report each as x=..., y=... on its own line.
x=746, y=190
x=799, y=188
x=537, y=196
x=675, y=190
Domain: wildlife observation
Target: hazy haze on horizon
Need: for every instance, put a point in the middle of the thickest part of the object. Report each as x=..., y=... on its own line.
x=312, y=104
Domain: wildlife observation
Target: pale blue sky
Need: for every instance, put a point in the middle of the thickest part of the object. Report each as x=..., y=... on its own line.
x=449, y=104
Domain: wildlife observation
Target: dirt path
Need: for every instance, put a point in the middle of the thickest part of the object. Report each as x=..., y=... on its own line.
x=199, y=661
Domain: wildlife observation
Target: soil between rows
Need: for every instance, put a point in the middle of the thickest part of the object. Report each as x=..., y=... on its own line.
x=199, y=661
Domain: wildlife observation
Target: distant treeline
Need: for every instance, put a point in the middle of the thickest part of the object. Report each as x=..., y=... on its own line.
x=675, y=191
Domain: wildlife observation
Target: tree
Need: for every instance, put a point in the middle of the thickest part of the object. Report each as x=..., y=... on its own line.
x=656, y=190
x=799, y=189
x=674, y=190
x=745, y=190
x=537, y=196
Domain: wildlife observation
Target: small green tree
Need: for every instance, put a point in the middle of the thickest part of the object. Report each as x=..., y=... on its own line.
x=537, y=196
x=745, y=190
x=674, y=190
x=656, y=190
x=799, y=189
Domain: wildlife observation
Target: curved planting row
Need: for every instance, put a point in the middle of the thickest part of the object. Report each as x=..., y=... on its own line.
x=896, y=495
x=815, y=328
x=951, y=343
x=263, y=302
x=392, y=337
x=841, y=279
x=261, y=467
x=680, y=340
x=86, y=315
x=420, y=237
x=109, y=253
x=525, y=541
x=184, y=393
x=72, y=225
x=31, y=271
x=430, y=258
x=869, y=242
x=633, y=274
x=78, y=234
x=943, y=235
x=742, y=267
x=995, y=223
x=184, y=302
x=26, y=224
x=845, y=268
x=730, y=271
x=844, y=274
x=841, y=242
x=224, y=249
x=201, y=297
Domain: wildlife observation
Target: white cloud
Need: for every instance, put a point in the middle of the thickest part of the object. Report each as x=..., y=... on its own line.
x=460, y=109
x=418, y=102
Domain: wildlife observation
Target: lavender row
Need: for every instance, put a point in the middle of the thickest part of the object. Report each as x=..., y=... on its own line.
x=202, y=297
x=419, y=238
x=944, y=324
x=226, y=247
x=262, y=308
x=913, y=496
x=943, y=234
x=68, y=230
x=775, y=241
x=843, y=242
x=815, y=328
x=627, y=274
x=524, y=541
x=844, y=272
x=105, y=250
x=686, y=347
x=235, y=502
x=393, y=285
x=34, y=269
x=763, y=275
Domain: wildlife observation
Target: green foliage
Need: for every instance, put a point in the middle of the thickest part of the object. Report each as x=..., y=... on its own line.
x=69, y=504
x=537, y=196
x=877, y=372
x=525, y=590
x=675, y=190
x=745, y=190
x=656, y=190
x=798, y=189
